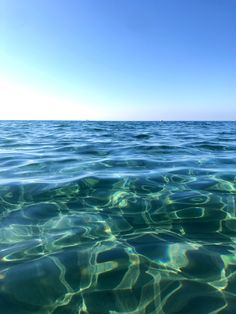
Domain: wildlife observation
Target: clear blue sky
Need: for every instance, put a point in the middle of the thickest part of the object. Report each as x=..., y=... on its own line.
x=118, y=59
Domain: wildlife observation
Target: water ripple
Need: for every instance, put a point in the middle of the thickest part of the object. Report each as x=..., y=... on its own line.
x=117, y=217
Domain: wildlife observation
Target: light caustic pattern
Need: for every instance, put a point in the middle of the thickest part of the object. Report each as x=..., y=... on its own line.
x=117, y=217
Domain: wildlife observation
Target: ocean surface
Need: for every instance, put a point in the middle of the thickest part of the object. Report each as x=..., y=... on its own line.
x=117, y=217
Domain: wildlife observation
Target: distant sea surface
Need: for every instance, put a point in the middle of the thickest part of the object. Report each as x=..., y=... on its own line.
x=117, y=217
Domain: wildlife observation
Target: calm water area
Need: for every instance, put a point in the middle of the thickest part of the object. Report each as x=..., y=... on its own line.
x=117, y=217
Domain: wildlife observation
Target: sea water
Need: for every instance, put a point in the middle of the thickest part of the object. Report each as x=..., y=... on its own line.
x=117, y=217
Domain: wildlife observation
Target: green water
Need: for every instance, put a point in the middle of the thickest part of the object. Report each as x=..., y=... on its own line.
x=117, y=217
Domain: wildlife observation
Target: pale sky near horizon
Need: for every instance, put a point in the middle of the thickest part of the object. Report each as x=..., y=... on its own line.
x=118, y=59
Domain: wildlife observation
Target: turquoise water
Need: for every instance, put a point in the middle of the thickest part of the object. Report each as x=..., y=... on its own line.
x=117, y=217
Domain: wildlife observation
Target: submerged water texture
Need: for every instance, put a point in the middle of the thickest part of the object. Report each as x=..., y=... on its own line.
x=117, y=217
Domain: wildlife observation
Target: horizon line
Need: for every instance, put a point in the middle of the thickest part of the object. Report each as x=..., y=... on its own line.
x=110, y=120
